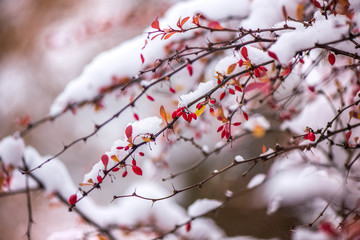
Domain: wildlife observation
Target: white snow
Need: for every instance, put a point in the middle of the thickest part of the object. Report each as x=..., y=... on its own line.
x=202, y=89
x=256, y=180
x=202, y=206
x=239, y=158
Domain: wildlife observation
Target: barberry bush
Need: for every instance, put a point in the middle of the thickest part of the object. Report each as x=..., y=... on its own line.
x=264, y=93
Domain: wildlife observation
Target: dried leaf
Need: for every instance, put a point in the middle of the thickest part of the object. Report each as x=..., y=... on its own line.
x=146, y=139
x=347, y=136
x=231, y=68
x=300, y=12
x=163, y=113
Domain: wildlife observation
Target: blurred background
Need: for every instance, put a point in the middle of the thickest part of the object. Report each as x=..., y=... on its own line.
x=45, y=44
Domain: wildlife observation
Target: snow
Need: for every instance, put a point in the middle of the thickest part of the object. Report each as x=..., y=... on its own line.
x=239, y=158
x=305, y=234
x=255, y=121
x=322, y=31
x=11, y=150
x=256, y=180
x=312, y=116
x=124, y=60
x=202, y=89
x=141, y=128
x=202, y=206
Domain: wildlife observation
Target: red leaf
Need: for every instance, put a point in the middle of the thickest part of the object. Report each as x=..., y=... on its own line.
x=188, y=226
x=347, y=136
x=238, y=88
x=245, y=116
x=72, y=199
x=273, y=55
x=24, y=122
x=189, y=117
x=244, y=53
x=215, y=25
x=190, y=69
x=142, y=59
x=172, y=90
x=150, y=98
x=262, y=68
x=184, y=115
x=257, y=72
x=222, y=96
x=331, y=58
x=316, y=3
x=124, y=174
x=254, y=85
x=137, y=170
x=155, y=24
x=128, y=131
x=194, y=116
x=328, y=228
x=99, y=179
x=220, y=128
x=105, y=160
x=223, y=134
x=241, y=62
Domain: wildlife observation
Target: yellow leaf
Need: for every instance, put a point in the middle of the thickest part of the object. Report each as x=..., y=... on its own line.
x=200, y=111
x=163, y=113
x=146, y=139
x=113, y=157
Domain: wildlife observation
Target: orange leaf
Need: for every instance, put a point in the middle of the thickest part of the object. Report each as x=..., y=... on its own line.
x=146, y=139
x=113, y=157
x=231, y=68
x=184, y=21
x=263, y=149
x=196, y=19
x=169, y=35
x=163, y=113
